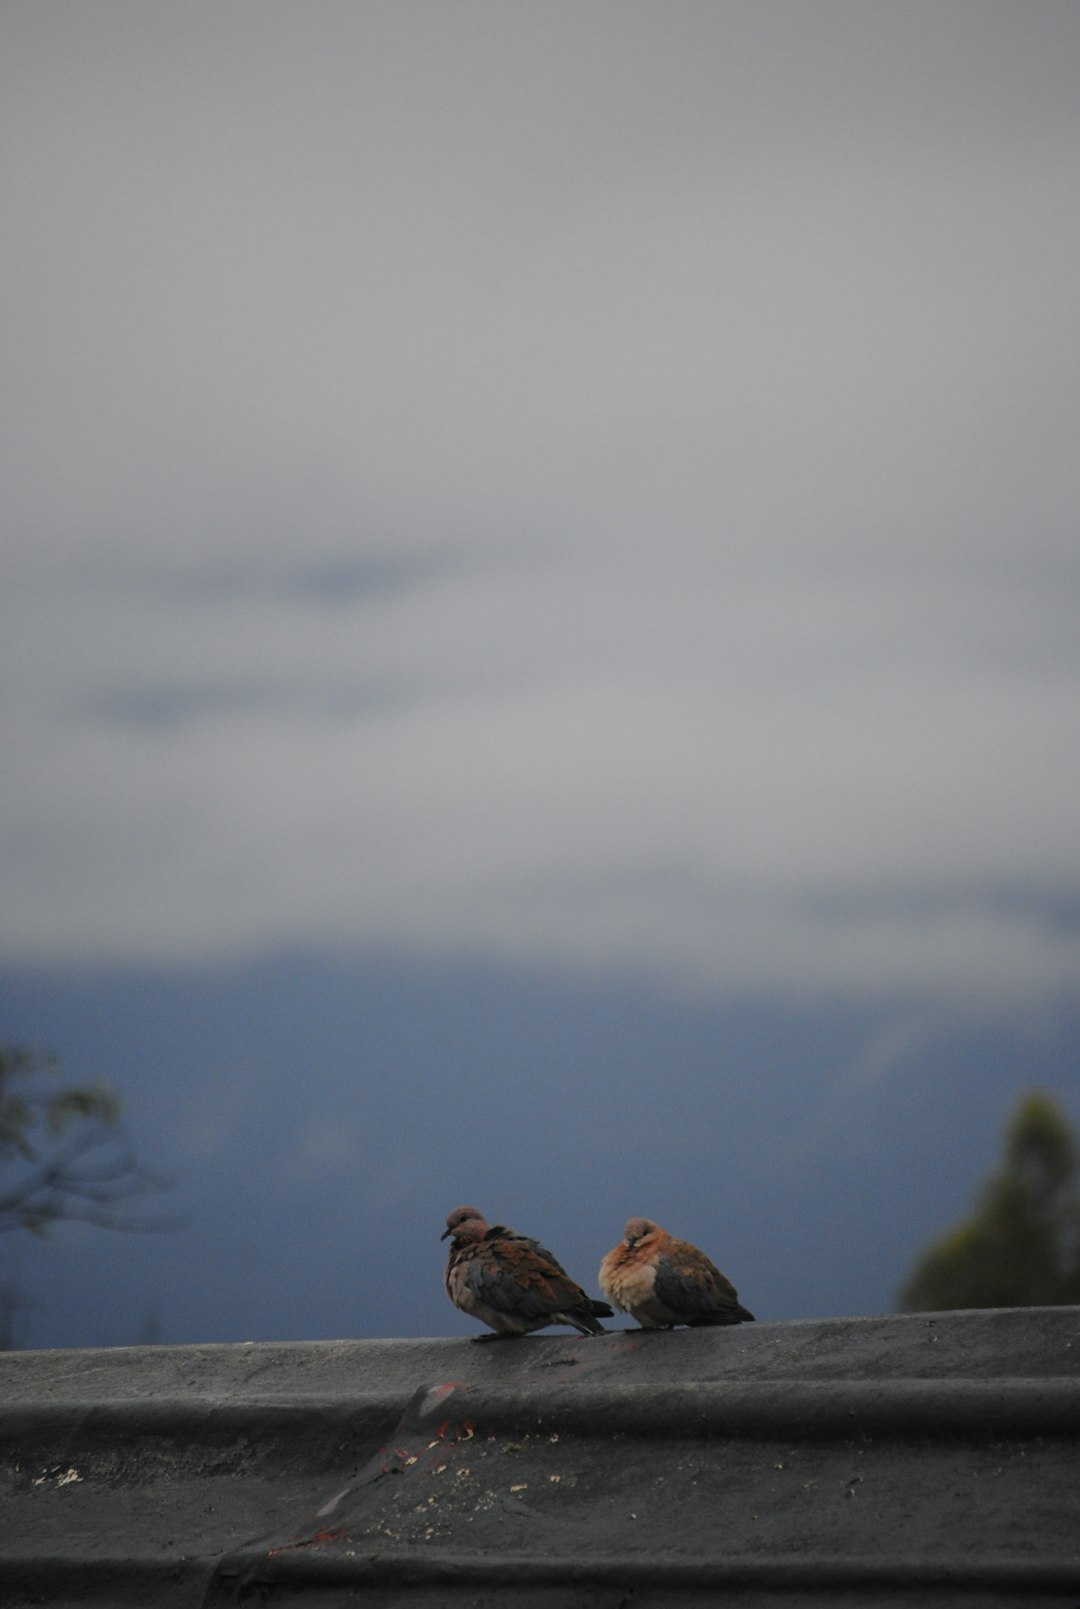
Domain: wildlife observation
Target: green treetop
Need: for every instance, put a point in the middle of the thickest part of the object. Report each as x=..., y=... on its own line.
x=1021, y=1245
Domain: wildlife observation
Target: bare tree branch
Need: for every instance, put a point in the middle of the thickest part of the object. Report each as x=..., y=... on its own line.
x=64, y=1156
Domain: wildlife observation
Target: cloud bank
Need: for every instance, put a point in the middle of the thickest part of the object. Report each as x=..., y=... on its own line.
x=597, y=489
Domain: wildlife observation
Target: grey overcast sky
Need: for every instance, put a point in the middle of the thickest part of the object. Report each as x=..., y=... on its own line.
x=584, y=487
x=593, y=482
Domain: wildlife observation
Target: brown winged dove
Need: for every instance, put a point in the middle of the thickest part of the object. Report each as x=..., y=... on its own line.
x=512, y=1283
x=662, y=1281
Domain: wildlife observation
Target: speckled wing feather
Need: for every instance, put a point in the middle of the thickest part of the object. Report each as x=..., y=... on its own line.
x=515, y=1274
x=543, y=1264
x=501, y=1232
x=691, y=1285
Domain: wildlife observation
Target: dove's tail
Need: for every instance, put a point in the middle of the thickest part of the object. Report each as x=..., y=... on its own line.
x=724, y=1315
x=584, y=1319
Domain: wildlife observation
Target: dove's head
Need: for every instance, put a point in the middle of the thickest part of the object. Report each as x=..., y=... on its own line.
x=637, y=1229
x=465, y=1223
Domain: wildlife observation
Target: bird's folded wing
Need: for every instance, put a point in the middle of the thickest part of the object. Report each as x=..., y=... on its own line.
x=501, y=1233
x=687, y=1282
x=512, y=1276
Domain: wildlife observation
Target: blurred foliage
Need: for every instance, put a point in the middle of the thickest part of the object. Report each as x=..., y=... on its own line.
x=1021, y=1245
x=63, y=1154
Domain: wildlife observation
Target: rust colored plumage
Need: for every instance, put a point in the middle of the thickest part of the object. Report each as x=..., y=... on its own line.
x=662, y=1281
x=511, y=1283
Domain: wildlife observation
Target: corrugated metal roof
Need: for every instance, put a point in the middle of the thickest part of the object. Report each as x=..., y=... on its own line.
x=908, y=1459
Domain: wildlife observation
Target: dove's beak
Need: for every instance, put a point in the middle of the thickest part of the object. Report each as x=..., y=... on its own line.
x=445, y=1233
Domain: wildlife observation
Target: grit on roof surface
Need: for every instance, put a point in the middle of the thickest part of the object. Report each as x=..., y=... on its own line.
x=917, y=1459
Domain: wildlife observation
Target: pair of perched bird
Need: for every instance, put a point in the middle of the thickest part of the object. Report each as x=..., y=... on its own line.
x=514, y=1285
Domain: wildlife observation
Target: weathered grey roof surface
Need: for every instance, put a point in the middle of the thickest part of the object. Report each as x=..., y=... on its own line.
x=900, y=1460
